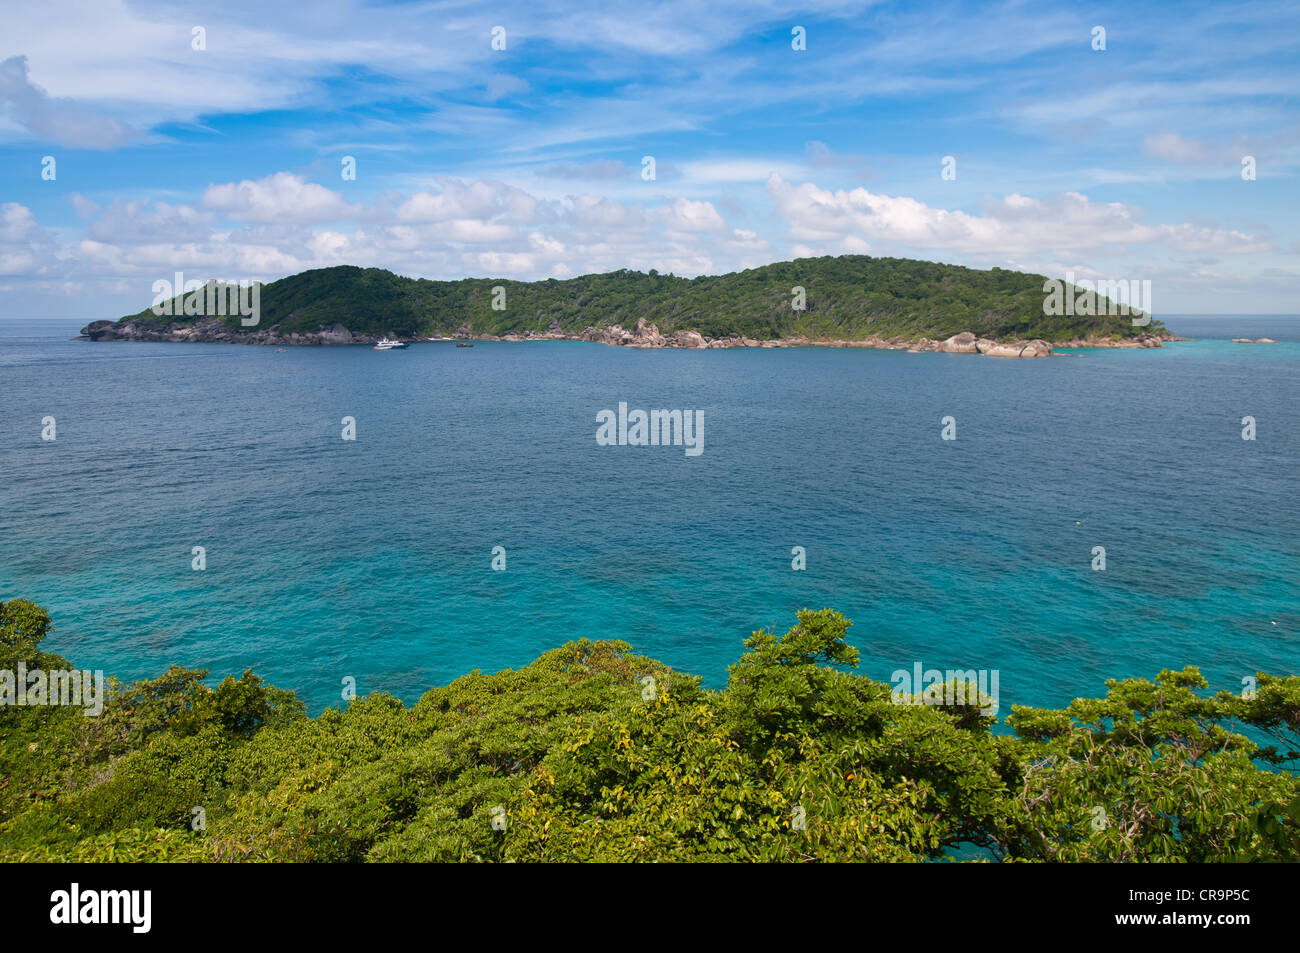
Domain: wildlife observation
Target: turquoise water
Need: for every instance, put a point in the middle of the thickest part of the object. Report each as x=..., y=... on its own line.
x=372, y=559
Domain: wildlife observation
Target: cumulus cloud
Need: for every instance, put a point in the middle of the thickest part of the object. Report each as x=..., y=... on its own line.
x=599, y=214
x=1065, y=224
x=17, y=223
x=282, y=197
x=142, y=222
x=25, y=247
x=84, y=207
x=684, y=215
x=458, y=199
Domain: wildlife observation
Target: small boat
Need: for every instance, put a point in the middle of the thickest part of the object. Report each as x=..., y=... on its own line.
x=464, y=344
x=386, y=345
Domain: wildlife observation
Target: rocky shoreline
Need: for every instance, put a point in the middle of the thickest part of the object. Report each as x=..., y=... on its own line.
x=644, y=335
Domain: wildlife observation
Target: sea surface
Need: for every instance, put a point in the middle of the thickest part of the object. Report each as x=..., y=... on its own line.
x=372, y=558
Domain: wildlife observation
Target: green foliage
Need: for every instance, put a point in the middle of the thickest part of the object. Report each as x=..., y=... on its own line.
x=127, y=846
x=1158, y=770
x=1273, y=708
x=23, y=626
x=595, y=753
x=850, y=297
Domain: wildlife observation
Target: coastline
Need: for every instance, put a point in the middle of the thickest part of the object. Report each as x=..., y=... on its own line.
x=644, y=335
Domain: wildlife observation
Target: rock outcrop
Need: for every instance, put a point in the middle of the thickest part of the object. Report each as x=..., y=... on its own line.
x=967, y=343
x=647, y=335
x=335, y=334
x=101, y=330
x=687, y=339
x=1036, y=348
x=963, y=343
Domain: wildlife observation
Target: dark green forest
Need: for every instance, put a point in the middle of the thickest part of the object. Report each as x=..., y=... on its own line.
x=579, y=756
x=851, y=297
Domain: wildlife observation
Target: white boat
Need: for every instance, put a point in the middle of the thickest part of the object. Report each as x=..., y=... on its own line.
x=386, y=345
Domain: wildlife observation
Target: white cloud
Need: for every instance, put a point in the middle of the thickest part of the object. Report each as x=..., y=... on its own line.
x=713, y=171
x=597, y=213
x=283, y=224
x=684, y=215
x=278, y=198
x=142, y=222
x=17, y=223
x=25, y=247
x=60, y=121
x=458, y=199
x=1065, y=224
x=84, y=207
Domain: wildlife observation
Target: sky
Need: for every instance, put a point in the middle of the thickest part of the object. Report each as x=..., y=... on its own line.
x=240, y=141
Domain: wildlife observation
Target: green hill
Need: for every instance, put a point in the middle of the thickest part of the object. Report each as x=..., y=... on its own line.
x=849, y=297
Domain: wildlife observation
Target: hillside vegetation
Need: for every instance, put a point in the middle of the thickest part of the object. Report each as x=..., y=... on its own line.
x=579, y=757
x=850, y=297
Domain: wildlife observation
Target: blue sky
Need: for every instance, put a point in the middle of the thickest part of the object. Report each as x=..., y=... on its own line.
x=226, y=162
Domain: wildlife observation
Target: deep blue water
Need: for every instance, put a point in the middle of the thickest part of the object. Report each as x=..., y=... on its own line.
x=372, y=558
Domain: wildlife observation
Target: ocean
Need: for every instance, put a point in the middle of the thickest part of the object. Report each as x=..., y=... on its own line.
x=327, y=559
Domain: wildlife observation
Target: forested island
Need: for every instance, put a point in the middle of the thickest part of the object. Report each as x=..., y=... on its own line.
x=593, y=753
x=851, y=300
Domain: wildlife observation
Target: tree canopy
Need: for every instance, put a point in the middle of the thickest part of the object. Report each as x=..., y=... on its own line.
x=595, y=753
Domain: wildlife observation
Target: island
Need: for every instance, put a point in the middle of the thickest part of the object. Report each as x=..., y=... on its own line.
x=842, y=301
